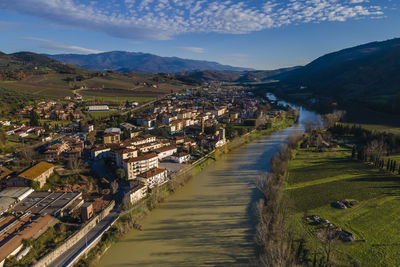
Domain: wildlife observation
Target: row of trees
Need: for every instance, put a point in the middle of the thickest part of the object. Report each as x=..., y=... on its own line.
x=276, y=244
x=380, y=140
x=374, y=154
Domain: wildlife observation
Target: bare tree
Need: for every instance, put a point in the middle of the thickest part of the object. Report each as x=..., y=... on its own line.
x=376, y=148
x=332, y=118
x=75, y=164
x=114, y=187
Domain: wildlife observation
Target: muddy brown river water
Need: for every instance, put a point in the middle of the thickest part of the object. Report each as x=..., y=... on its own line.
x=211, y=220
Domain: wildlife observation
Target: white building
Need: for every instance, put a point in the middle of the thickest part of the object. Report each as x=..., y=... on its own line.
x=137, y=165
x=166, y=151
x=98, y=108
x=137, y=193
x=154, y=177
x=181, y=157
x=100, y=153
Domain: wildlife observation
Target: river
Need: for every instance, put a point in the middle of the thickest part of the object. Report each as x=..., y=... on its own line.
x=211, y=220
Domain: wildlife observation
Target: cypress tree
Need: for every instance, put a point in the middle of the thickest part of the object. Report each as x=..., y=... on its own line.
x=353, y=153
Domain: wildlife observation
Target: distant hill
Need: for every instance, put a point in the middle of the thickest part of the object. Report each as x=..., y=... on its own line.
x=367, y=74
x=32, y=63
x=139, y=63
x=236, y=76
x=40, y=75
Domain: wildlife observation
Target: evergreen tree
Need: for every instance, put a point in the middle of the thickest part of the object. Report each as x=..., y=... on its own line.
x=34, y=118
x=353, y=153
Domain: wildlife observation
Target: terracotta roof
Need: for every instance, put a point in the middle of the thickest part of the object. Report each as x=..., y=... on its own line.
x=166, y=148
x=151, y=173
x=111, y=134
x=35, y=171
x=144, y=157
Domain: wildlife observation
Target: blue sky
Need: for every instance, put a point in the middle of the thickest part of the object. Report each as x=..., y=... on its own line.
x=262, y=34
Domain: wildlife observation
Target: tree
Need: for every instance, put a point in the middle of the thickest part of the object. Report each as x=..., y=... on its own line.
x=353, y=153
x=34, y=118
x=75, y=165
x=35, y=185
x=332, y=118
x=120, y=173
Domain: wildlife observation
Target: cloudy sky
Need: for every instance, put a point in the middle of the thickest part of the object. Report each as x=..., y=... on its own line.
x=262, y=34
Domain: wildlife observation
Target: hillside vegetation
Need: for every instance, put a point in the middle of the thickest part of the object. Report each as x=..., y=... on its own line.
x=367, y=75
x=39, y=75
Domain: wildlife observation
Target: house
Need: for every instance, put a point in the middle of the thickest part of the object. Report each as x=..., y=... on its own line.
x=137, y=165
x=181, y=157
x=111, y=138
x=166, y=151
x=154, y=177
x=137, y=193
x=39, y=173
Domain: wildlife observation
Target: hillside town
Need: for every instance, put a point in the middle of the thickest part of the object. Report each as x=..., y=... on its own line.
x=73, y=175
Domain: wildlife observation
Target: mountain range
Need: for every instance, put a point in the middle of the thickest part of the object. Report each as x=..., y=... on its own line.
x=121, y=61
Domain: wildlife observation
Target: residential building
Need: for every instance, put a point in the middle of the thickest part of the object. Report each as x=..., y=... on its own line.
x=166, y=151
x=154, y=177
x=137, y=193
x=181, y=157
x=111, y=138
x=135, y=166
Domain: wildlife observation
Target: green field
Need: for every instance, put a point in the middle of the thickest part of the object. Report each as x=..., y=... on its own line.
x=140, y=99
x=377, y=127
x=315, y=180
x=98, y=115
x=56, y=85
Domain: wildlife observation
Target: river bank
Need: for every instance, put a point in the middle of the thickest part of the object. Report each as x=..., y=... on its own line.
x=135, y=216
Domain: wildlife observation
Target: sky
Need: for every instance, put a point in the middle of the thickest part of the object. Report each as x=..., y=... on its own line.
x=259, y=34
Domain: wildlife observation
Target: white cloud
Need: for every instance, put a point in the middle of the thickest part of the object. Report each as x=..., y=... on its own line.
x=164, y=19
x=56, y=46
x=193, y=49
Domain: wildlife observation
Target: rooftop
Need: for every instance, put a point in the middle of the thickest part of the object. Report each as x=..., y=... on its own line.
x=33, y=172
x=151, y=173
x=144, y=157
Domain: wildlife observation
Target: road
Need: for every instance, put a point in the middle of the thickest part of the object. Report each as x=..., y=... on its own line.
x=67, y=257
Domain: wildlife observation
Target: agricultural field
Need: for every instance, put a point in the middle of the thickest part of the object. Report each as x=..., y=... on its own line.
x=317, y=179
x=377, y=128
x=110, y=85
x=139, y=99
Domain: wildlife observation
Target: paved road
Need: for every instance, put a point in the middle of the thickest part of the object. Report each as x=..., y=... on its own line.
x=71, y=253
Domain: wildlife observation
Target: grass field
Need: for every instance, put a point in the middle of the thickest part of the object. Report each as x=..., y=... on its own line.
x=315, y=180
x=98, y=115
x=139, y=99
x=378, y=128
x=56, y=85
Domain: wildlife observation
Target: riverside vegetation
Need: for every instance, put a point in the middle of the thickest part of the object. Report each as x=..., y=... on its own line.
x=132, y=215
x=308, y=177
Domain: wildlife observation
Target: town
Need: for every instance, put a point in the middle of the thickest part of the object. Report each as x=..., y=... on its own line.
x=79, y=163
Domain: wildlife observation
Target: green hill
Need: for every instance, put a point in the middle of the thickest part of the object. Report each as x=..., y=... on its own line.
x=37, y=74
x=367, y=74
